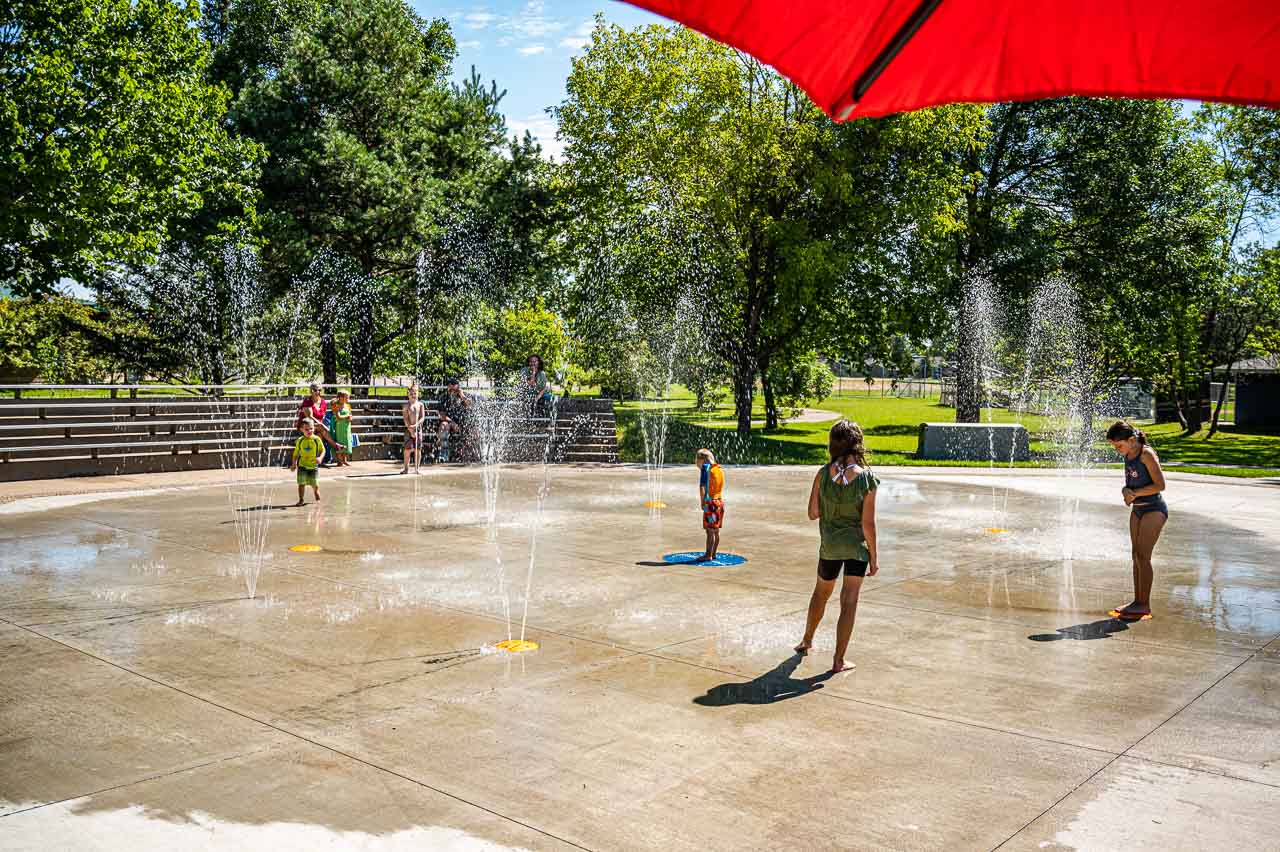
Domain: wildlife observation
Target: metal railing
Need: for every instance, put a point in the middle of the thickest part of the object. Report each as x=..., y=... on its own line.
x=132, y=391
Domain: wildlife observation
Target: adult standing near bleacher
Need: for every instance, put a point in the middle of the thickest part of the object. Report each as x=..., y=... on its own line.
x=454, y=406
x=534, y=388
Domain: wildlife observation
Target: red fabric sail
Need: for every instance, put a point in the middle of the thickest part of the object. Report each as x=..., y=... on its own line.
x=906, y=54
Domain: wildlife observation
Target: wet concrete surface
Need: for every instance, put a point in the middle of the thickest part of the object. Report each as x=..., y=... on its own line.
x=357, y=700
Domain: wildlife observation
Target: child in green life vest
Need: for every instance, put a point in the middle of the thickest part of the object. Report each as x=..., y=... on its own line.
x=308, y=452
x=843, y=501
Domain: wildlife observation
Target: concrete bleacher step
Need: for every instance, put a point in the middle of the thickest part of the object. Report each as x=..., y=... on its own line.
x=48, y=437
x=607, y=458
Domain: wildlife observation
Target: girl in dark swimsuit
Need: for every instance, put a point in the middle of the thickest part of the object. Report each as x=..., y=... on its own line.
x=1143, y=482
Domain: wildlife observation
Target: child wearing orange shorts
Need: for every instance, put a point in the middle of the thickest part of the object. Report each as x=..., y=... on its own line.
x=711, y=491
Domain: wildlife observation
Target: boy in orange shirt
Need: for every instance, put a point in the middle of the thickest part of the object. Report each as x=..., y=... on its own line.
x=711, y=490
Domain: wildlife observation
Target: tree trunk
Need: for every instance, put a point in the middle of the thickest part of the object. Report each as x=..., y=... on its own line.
x=1088, y=414
x=968, y=367
x=1217, y=409
x=744, y=391
x=1198, y=402
x=770, y=405
x=328, y=353
x=217, y=368
x=1189, y=410
x=363, y=343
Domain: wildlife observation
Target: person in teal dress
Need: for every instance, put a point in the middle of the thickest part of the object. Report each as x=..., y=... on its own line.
x=342, y=433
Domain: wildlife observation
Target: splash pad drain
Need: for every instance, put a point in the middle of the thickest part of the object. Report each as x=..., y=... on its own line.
x=516, y=646
x=654, y=504
x=997, y=531
x=306, y=548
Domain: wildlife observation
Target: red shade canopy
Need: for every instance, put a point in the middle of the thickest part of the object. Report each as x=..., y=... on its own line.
x=858, y=58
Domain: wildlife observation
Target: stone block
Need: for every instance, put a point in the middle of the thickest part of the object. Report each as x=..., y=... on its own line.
x=974, y=442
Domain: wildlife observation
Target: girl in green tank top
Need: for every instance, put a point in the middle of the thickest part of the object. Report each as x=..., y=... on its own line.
x=843, y=502
x=842, y=488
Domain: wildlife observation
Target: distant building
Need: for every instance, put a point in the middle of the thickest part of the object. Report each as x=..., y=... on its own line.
x=1133, y=400
x=1257, y=392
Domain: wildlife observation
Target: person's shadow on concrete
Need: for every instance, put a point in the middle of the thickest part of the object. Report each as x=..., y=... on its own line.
x=1084, y=632
x=774, y=685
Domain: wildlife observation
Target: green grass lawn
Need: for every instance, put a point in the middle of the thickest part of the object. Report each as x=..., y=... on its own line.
x=891, y=425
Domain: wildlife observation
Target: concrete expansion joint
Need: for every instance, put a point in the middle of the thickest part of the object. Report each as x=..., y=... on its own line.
x=284, y=731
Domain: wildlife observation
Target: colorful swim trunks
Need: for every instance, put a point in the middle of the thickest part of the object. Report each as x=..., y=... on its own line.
x=306, y=475
x=410, y=441
x=712, y=514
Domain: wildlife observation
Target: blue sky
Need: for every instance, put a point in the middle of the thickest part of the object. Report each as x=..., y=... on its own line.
x=526, y=46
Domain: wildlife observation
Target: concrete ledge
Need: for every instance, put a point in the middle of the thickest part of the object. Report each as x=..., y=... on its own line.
x=974, y=441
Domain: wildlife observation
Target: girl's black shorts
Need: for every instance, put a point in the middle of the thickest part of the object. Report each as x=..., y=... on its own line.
x=829, y=569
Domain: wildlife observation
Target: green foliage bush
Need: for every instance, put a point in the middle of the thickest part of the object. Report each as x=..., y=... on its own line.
x=516, y=333
x=43, y=339
x=805, y=381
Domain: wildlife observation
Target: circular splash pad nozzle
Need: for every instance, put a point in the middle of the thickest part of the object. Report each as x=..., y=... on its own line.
x=691, y=558
x=516, y=646
x=654, y=504
x=997, y=531
x=306, y=548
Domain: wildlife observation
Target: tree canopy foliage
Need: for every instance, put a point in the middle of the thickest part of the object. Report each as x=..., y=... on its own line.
x=704, y=184
x=110, y=132
x=228, y=176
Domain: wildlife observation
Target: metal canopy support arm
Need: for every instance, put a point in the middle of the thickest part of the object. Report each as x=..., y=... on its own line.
x=893, y=47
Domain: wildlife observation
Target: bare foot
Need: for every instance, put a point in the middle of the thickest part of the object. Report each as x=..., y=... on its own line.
x=404, y=472
x=1134, y=610
x=803, y=647
x=703, y=558
x=841, y=666
x=300, y=503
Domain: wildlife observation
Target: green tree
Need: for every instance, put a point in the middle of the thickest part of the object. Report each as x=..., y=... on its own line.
x=1240, y=306
x=1113, y=193
x=804, y=380
x=250, y=39
x=374, y=156
x=45, y=338
x=109, y=130
x=708, y=190
x=516, y=333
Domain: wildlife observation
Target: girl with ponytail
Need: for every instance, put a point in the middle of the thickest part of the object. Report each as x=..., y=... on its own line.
x=1143, y=484
x=843, y=501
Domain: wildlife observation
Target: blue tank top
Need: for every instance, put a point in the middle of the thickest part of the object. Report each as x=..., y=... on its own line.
x=1137, y=476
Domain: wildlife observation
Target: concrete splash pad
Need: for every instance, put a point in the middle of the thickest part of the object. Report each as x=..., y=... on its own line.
x=146, y=703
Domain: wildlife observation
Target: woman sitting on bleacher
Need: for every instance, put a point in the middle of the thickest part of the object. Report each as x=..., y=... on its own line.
x=314, y=408
x=534, y=389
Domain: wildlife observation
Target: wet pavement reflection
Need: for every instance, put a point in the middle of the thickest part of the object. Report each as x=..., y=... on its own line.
x=360, y=697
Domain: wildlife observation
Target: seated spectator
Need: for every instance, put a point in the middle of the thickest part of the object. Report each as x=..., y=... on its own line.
x=533, y=387
x=454, y=414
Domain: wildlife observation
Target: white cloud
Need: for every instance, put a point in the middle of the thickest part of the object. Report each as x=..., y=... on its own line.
x=543, y=128
x=468, y=45
x=532, y=22
x=479, y=19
